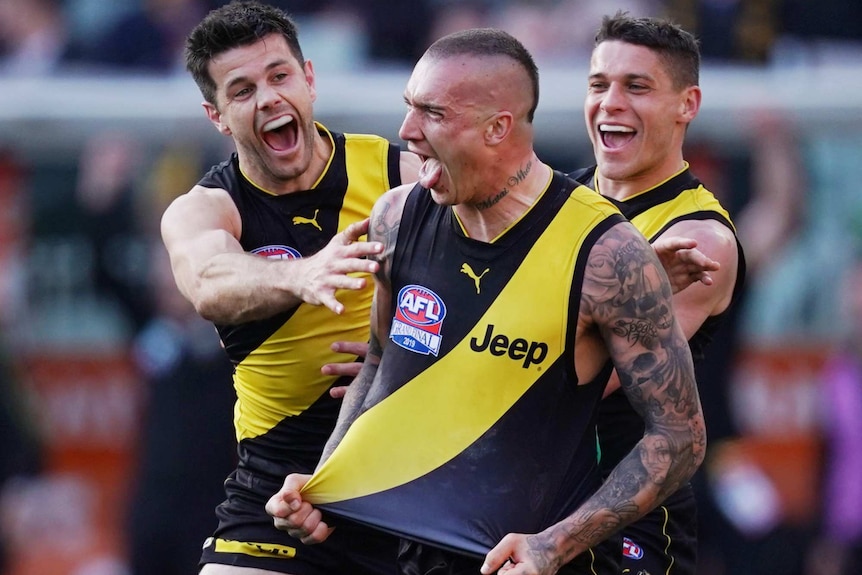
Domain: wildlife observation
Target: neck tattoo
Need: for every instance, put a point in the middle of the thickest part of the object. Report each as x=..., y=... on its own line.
x=513, y=181
x=485, y=204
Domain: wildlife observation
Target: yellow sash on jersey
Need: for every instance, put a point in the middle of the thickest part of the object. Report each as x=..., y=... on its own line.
x=438, y=414
x=282, y=376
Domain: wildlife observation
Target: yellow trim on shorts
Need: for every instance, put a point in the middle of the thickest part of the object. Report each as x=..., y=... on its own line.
x=272, y=550
x=667, y=536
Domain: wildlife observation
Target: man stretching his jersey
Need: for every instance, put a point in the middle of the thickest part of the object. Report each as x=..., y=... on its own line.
x=504, y=293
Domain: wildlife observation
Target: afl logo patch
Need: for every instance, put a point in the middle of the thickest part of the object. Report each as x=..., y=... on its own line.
x=631, y=549
x=418, y=320
x=277, y=253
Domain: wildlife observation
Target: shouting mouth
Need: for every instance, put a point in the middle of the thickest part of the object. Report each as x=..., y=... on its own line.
x=280, y=134
x=614, y=136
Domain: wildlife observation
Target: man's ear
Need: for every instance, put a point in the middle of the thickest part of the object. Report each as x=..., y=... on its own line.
x=309, y=79
x=690, y=104
x=215, y=117
x=498, y=127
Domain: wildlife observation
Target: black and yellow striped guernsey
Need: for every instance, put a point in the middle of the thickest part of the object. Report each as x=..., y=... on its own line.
x=483, y=429
x=680, y=197
x=283, y=414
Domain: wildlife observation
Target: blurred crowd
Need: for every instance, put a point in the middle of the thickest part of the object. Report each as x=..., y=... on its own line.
x=146, y=36
x=85, y=299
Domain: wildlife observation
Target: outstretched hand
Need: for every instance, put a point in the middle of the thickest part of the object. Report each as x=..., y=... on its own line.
x=327, y=270
x=684, y=263
x=299, y=518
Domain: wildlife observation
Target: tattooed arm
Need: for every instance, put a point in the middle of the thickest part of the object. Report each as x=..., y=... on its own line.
x=289, y=511
x=626, y=314
x=385, y=219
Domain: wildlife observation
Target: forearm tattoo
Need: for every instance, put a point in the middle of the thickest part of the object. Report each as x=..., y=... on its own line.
x=627, y=297
x=384, y=229
x=354, y=402
x=385, y=220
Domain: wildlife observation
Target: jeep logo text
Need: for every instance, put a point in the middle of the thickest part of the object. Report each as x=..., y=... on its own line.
x=532, y=352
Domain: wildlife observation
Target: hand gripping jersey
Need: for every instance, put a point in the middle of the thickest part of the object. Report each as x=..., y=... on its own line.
x=283, y=414
x=681, y=197
x=482, y=429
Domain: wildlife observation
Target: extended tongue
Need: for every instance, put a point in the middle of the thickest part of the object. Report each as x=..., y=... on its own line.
x=429, y=173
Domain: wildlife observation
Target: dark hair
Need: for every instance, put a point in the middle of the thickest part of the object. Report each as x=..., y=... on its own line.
x=677, y=48
x=239, y=23
x=489, y=42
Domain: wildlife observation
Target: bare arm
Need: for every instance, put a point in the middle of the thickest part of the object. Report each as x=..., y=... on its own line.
x=200, y=230
x=287, y=508
x=697, y=302
x=626, y=303
x=385, y=221
x=410, y=164
x=683, y=262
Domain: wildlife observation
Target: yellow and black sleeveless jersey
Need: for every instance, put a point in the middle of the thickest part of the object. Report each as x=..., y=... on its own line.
x=283, y=414
x=681, y=197
x=482, y=429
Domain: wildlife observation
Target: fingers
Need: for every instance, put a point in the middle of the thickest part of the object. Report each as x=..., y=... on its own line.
x=357, y=348
x=302, y=524
x=299, y=518
x=349, y=239
x=316, y=530
x=338, y=392
x=355, y=231
x=288, y=499
x=290, y=513
x=698, y=265
x=278, y=506
x=497, y=556
x=705, y=279
x=306, y=524
x=673, y=244
x=361, y=250
x=334, y=267
x=349, y=369
x=326, y=295
x=696, y=258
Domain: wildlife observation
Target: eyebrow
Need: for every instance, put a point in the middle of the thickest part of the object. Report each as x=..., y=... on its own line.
x=629, y=77
x=424, y=106
x=244, y=79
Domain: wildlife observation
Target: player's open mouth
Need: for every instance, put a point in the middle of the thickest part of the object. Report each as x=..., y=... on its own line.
x=615, y=136
x=280, y=134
